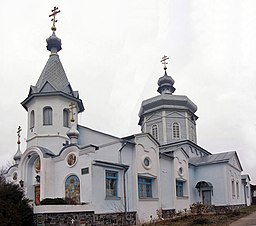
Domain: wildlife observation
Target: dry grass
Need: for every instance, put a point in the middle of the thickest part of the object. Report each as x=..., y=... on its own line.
x=206, y=219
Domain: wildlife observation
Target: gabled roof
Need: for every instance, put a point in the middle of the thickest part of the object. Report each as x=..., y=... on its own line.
x=181, y=143
x=223, y=157
x=245, y=176
x=141, y=134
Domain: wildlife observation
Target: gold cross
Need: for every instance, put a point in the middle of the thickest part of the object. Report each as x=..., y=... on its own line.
x=55, y=11
x=18, y=132
x=72, y=106
x=163, y=61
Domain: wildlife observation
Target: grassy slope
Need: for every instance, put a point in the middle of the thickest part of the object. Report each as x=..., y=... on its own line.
x=206, y=219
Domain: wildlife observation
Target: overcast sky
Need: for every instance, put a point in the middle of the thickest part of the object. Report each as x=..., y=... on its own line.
x=111, y=52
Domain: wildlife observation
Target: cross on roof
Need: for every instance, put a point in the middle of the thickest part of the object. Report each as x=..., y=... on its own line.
x=18, y=132
x=163, y=61
x=55, y=11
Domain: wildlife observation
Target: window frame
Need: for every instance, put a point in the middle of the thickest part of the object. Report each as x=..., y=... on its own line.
x=180, y=184
x=47, y=116
x=144, y=182
x=175, y=130
x=233, y=188
x=66, y=118
x=111, y=178
x=154, y=131
x=32, y=119
x=237, y=189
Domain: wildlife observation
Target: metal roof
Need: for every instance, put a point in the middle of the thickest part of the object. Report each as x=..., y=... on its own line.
x=54, y=74
x=211, y=159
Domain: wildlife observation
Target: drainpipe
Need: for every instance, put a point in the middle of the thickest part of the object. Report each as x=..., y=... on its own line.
x=120, y=155
x=125, y=204
x=125, y=170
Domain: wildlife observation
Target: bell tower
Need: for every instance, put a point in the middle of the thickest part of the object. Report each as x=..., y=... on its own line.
x=48, y=102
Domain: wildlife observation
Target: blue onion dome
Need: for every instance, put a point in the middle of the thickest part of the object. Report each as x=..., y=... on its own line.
x=165, y=84
x=53, y=43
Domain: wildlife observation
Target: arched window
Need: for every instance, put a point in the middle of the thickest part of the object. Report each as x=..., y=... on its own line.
x=32, y=119
x=176, y=130
x=66, y=117
x=154, y=131
x=47, y=116
x=72, y=189
x=237, y=189
x=233, y=188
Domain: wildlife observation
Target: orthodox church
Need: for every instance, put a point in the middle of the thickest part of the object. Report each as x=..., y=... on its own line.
x=161, y=168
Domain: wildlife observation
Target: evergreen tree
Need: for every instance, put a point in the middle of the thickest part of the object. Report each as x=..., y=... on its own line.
x=14, y=207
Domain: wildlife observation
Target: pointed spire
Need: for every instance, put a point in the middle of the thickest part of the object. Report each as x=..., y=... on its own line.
x=53, y=78
x=18, y=154
x=165, y=82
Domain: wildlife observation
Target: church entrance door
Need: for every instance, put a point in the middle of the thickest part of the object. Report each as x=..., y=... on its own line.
x=207, y=197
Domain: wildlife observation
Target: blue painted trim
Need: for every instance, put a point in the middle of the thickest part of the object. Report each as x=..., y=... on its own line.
x=144, y=182
x=113, y=178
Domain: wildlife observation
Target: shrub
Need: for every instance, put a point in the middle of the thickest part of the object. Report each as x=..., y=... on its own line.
x=234, y=213
x=198, y=208
x=201, y=221
x=53, y=201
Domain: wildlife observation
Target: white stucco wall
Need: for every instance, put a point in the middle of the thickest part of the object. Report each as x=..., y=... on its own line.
x=246, y=193
x=220, y=176
x=48, y=136
x=146, y=147
x=167, y=183
x=215, y=174
x=181, y=161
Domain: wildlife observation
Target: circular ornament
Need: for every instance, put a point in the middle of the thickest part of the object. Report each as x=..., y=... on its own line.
x=71, y=159
x=15, y=176
x=181, y=171
x=146, y=162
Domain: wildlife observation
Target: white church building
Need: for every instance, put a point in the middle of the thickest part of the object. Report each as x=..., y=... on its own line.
x=161, y=168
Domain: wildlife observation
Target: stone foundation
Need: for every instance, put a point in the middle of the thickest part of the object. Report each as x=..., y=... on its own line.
x=168, y=213
x=224, y=209
x=84, y=219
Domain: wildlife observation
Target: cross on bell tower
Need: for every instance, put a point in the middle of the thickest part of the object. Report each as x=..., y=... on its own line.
x=163, y=61
x=71, y=108
x=55, y=11
x=18, y=132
